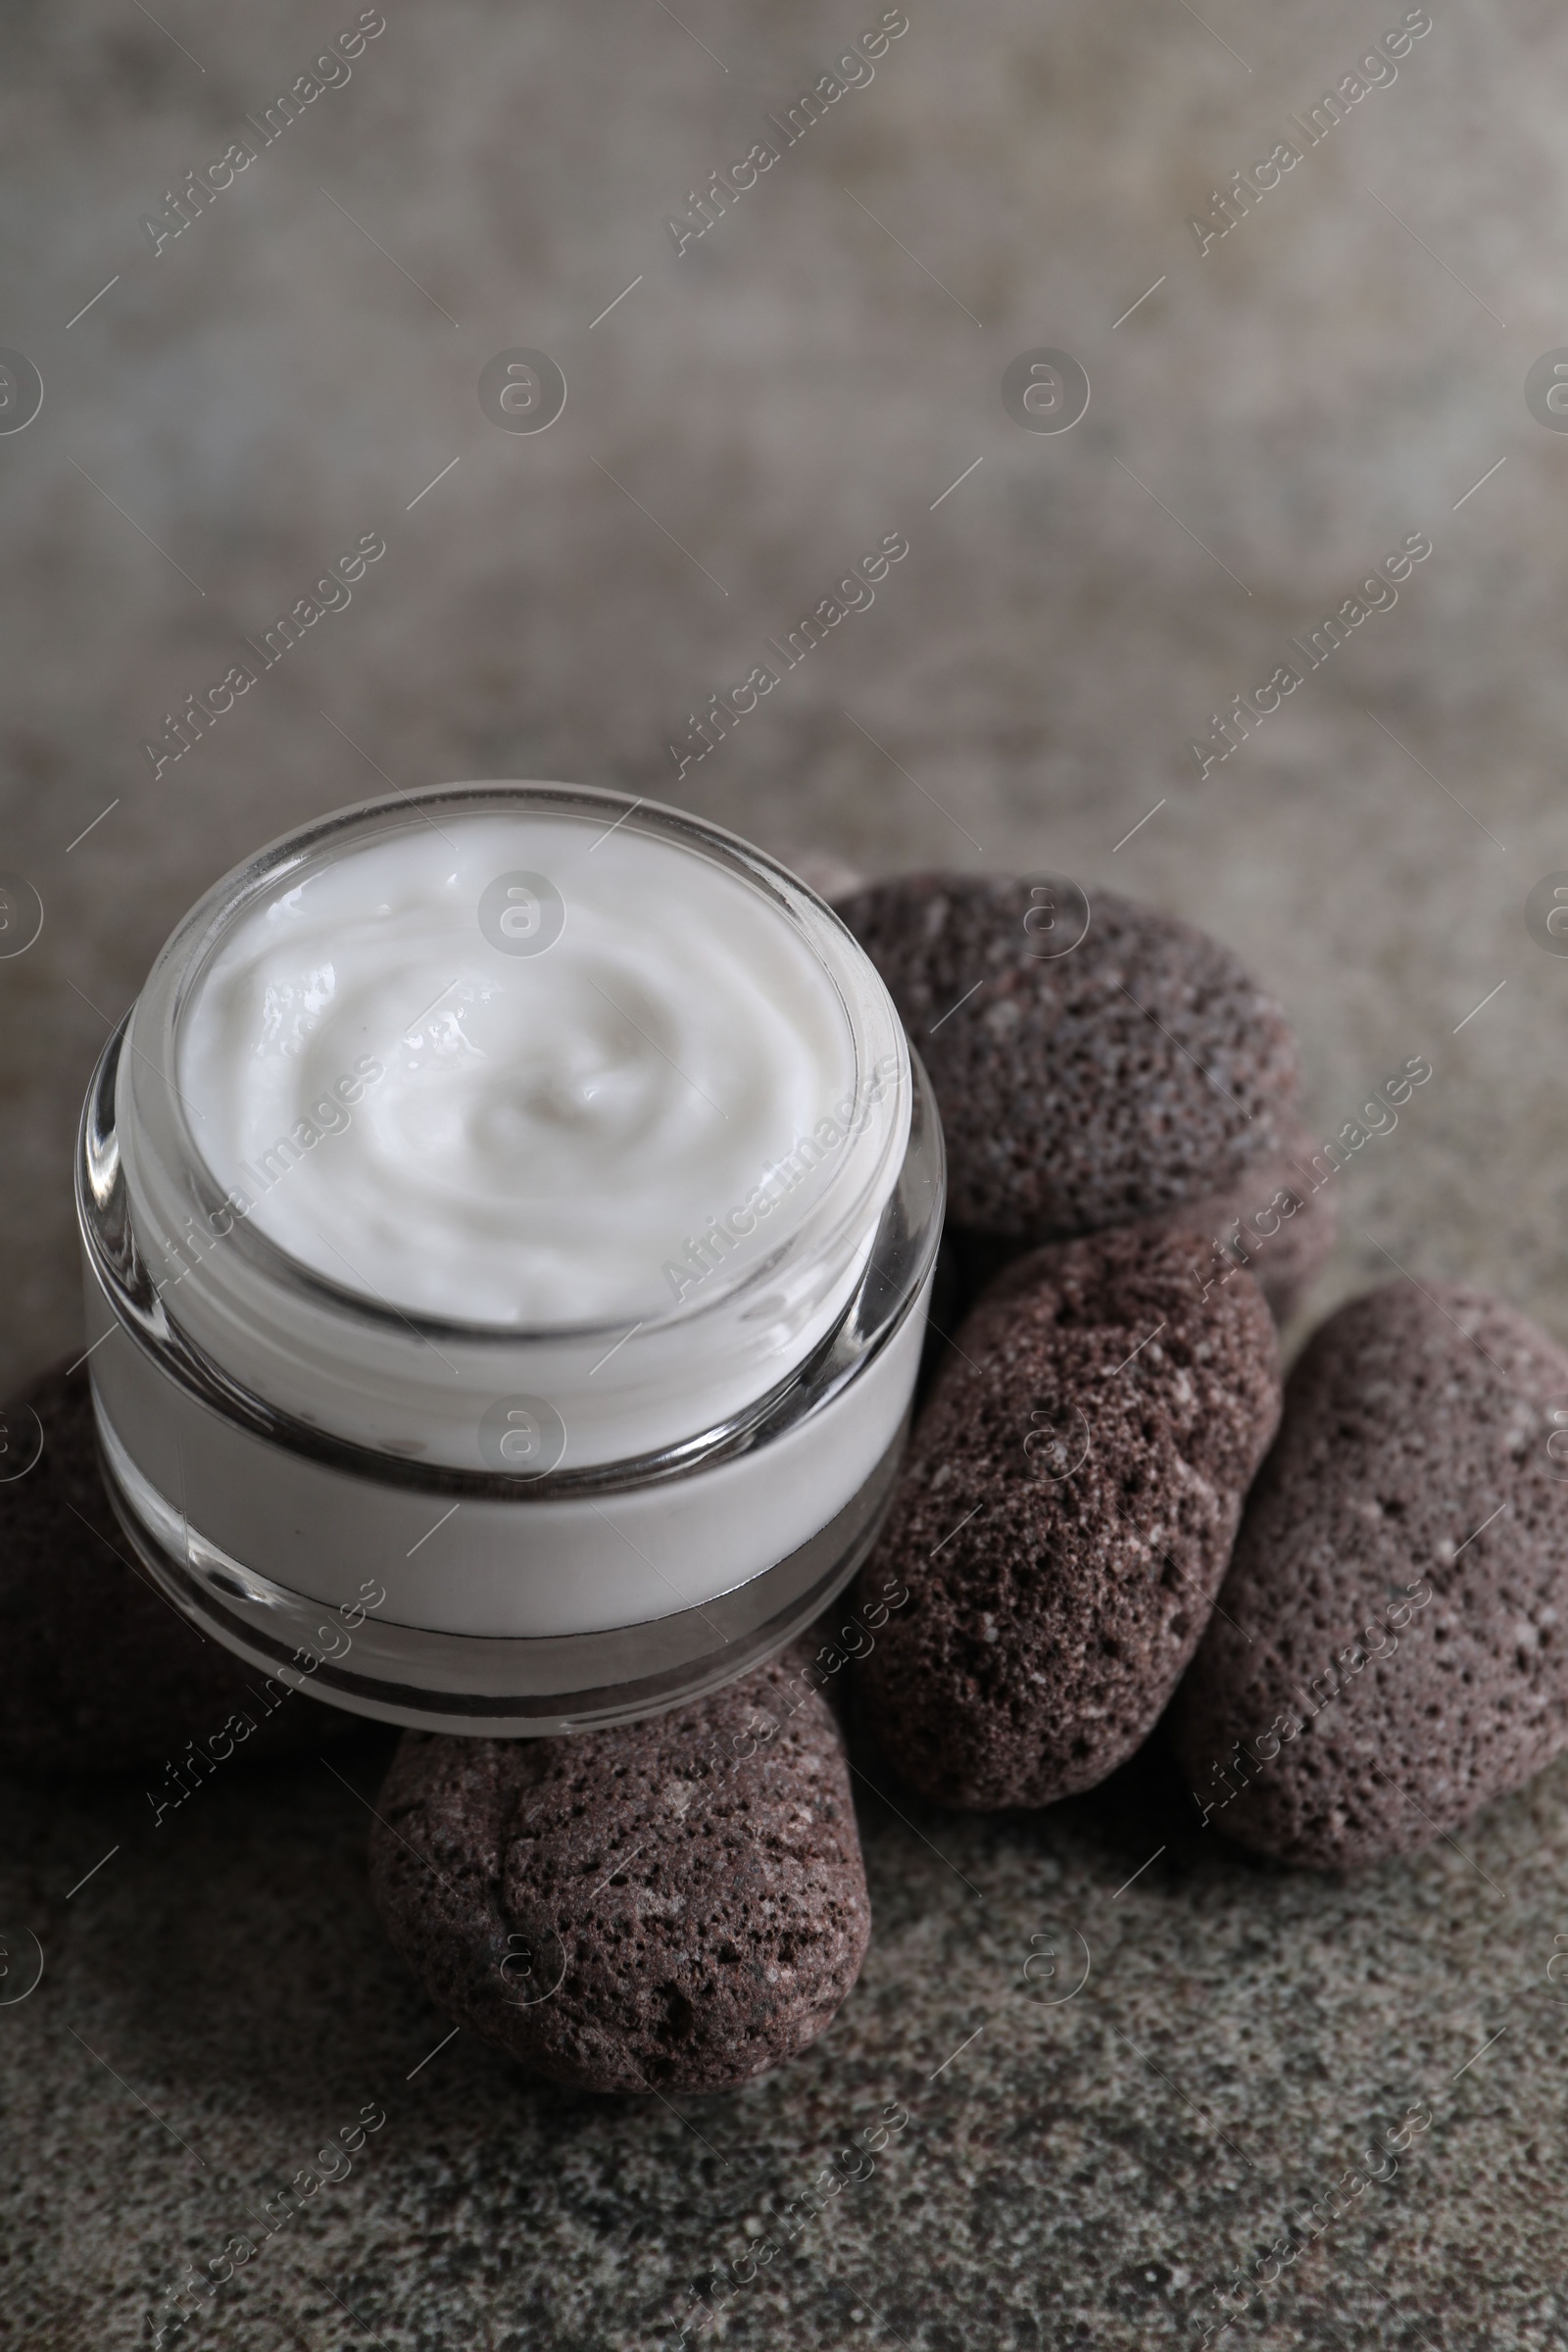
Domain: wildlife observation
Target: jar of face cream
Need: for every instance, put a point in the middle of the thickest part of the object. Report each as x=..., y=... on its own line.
x=507, y=1213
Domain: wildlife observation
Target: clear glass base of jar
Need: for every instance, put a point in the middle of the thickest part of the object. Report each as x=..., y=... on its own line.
x=486, y=1688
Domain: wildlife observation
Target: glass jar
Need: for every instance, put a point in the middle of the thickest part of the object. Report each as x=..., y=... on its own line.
x=492, y=1526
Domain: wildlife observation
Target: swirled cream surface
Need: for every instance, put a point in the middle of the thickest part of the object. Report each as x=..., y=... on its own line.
x=506, y=1069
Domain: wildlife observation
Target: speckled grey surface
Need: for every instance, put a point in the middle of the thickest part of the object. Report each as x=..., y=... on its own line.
x=1274, y=416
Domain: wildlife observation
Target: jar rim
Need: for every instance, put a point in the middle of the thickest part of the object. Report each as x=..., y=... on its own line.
x=178, y=969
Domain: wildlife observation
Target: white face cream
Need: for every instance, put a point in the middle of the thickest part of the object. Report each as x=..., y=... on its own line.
x=521, y=1109
x=520, y=1200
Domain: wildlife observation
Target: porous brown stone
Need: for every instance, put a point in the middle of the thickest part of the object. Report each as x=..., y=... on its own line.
x=98, y=1671
x=674, y=1905
x=1278, y=1218
x=1391, y=1649
x=1140, y=1069
x=1065, y=1517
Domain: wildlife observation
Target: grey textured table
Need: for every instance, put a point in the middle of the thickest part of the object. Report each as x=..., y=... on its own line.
x=1268, y=417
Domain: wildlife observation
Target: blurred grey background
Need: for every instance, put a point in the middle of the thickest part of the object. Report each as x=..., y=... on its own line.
x=1268, y=418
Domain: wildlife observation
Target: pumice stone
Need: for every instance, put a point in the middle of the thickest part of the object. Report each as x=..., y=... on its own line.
x=1065, y=1517
x=1390, y=1646
x=671, y=1905
x=1093, y=1060
x=1278, y=1219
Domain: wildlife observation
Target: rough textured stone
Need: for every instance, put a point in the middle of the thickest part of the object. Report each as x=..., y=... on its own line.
x=1065, y=1517
x=672, y=1905
x=98, y=1672
x=1391, y=1649
x=1278, y=1218
x=1138, y=1069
